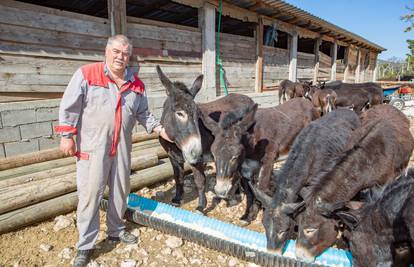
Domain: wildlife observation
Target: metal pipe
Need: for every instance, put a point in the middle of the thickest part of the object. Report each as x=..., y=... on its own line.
x=223, y=237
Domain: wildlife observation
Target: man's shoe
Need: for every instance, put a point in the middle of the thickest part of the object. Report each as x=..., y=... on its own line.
x=82, y=258
x=124, y=237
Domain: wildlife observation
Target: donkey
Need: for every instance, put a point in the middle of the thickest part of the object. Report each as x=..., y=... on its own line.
x=192, y=139
x=376, y=153
x=270, y=133
x=315, y=150
x=289, y=90
x=382, y=232
x=324, y=100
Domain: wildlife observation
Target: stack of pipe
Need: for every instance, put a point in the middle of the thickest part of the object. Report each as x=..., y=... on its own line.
x=37, y=186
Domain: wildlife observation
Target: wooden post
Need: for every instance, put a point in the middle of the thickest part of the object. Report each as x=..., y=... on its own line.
x=207, y=23
x=316, y=52
x=259, y=56
x=293, y=56
x=117, y=16
x=358, y=68
x=375, y=74
x=334, y=53
x=346, y=59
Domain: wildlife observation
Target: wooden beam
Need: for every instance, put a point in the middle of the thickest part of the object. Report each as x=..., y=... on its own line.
x=316, y=63
x=346, y=60
x=259, y=56
x=358, y=68
x=293, y=56
x=117, y=16
x=334, y=53
x=207, y=23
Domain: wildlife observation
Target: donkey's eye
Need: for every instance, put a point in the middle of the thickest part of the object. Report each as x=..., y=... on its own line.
x=309, y=231
x=181, y=115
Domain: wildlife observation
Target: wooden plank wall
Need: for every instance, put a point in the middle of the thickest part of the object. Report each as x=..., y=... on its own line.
x=176, y=50
x=324, y=73
x=275, y=65
x=40, y=48
x=238, y=56
x=305, y=67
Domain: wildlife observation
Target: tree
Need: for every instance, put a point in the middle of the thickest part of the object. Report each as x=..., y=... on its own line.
x=410, y=56
x=409, y=18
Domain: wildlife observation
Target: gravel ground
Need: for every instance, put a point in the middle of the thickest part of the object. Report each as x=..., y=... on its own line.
x=409, y=108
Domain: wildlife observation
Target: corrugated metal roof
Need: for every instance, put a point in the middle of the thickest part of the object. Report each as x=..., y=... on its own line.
x=283, y=11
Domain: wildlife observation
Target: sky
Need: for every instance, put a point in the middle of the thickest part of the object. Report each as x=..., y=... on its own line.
x=378, y=21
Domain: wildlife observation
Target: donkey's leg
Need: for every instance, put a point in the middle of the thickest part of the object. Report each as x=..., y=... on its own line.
x=177, y=162
x=178, y=169
x=252, y=206
x=265, y=173
x=200, y=181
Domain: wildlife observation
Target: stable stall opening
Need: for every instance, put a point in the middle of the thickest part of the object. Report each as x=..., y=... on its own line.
x=306, y=45
x=94, y=8
x=274, y=38
x=160, y=10
x=165, y=11
x=340, y=55
x=235, y=26
x=325, y=48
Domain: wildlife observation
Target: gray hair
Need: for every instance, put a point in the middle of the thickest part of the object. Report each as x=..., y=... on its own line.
x=121, y=39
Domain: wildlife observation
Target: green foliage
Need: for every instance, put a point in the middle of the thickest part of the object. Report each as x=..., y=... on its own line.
x=409, y=18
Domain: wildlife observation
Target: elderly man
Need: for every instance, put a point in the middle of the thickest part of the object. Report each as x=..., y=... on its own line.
x=100, y=106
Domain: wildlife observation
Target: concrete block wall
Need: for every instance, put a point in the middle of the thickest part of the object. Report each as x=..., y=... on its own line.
x=29, y=126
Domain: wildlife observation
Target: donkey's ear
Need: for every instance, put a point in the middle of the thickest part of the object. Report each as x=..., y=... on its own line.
x=293, y=209
x=328, y=209
x=165, y=81
x=196, y=85
x=210, y=123
x=348, y=218
x=248, y=119
x=261, y=196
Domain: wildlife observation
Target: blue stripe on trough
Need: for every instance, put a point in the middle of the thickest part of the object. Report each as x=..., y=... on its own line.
x=225, y=231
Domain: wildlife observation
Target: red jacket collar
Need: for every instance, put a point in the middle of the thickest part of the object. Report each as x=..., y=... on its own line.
x=97, y=74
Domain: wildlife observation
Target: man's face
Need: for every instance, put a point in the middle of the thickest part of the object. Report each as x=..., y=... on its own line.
x=117, y=56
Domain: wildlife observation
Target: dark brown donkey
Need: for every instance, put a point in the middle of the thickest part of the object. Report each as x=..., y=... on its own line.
x=270, y=133
x=192, y=140
x=376, y=153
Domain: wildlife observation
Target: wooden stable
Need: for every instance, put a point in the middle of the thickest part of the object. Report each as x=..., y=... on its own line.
x=44, y=42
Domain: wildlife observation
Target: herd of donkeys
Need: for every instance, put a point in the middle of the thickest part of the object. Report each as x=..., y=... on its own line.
x=345, y=180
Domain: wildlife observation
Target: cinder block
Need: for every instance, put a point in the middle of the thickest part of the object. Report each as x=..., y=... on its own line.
x=47, y=114
x=9, y=134
x=46, y=143
x=18, y=148
x=54, y=124
x=34, y=130
x=2, y=152
x=18, y=117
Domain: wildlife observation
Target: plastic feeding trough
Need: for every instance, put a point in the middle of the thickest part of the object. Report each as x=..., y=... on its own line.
x=224, y=237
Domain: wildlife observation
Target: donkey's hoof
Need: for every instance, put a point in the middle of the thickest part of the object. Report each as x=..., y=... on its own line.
x=175, y=202
x=244, y=222
x=200, y=211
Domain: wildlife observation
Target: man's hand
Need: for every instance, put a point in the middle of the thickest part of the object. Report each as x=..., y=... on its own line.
x=67, y=146
x=161, y=131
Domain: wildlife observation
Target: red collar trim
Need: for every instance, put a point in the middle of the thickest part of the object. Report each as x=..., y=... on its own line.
x=94, y=74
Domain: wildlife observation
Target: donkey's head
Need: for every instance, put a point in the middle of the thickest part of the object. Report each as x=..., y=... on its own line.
x=180, y=116
x=227, y=148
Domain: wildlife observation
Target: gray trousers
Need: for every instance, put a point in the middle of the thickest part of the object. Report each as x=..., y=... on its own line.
x=92, y=177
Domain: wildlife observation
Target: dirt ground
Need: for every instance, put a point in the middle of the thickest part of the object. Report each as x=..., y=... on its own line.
x=41, y=245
